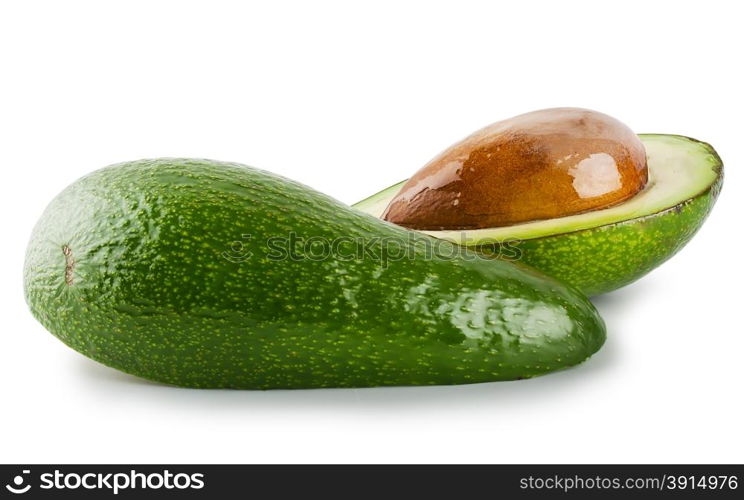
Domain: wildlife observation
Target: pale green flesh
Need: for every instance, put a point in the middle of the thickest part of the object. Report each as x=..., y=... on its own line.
x=679, y=169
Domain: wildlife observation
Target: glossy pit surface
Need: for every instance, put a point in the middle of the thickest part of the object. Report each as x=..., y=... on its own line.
x=539, y=165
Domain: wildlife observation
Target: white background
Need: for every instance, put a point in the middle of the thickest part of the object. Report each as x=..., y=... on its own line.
x=350, y=99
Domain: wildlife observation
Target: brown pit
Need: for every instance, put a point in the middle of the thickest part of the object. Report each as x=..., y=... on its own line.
x=540, y=165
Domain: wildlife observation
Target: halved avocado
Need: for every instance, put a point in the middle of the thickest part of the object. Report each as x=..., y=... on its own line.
x=606, y=249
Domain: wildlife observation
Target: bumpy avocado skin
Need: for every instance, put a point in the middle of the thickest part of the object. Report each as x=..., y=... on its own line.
x=163, y=269
x=606, y=258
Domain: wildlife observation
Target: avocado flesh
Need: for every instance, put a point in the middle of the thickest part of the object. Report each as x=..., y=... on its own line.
x=165, y=269
x=603, y=250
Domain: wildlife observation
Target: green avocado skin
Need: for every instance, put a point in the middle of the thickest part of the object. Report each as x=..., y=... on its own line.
x=164, y=269
x=606, y=258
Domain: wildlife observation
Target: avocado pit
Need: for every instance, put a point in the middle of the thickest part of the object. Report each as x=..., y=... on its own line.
x=540, y=165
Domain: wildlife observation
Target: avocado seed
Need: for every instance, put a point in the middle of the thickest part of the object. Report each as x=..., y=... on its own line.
x=539, y=165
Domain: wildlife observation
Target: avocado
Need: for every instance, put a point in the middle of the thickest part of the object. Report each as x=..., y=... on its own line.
x=605, y=249
x=206, y=274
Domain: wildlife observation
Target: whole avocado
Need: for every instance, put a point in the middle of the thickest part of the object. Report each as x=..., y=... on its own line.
x=215, y=275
